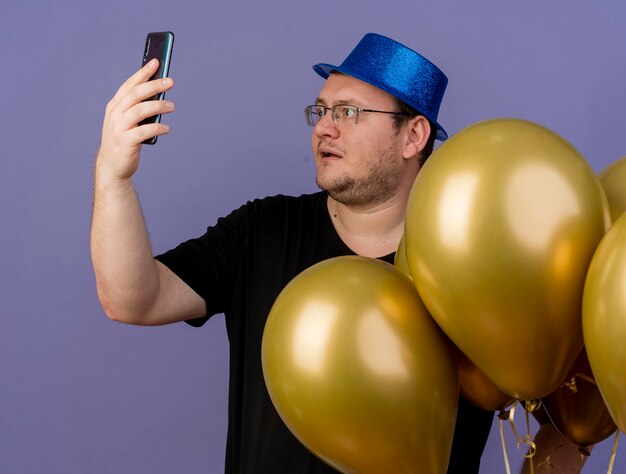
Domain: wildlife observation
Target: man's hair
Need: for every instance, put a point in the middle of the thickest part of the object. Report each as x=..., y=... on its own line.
x=410, y=113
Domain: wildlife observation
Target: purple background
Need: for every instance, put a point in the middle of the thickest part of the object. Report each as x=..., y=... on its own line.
x=82, y=394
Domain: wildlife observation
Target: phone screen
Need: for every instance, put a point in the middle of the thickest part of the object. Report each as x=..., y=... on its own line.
x=158, y=45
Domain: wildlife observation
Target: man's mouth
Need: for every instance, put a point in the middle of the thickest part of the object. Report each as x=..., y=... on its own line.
x=328, y=153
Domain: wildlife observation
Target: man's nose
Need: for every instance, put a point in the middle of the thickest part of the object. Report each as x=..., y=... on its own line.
x=326, y=126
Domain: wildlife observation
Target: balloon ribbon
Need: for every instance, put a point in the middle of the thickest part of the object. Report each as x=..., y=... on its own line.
x=504, y=415
x=527, y=439
x=572, y=383
x=613, y=453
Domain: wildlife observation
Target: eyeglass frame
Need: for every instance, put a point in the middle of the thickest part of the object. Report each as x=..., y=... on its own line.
x=308, y=114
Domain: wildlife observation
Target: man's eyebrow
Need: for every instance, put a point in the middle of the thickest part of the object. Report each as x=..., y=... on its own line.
x=347, y=101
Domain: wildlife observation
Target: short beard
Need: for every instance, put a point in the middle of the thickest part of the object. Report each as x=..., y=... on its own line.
x=378, y=186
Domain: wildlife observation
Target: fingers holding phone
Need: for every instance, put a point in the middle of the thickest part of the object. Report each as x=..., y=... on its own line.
x=133, y=115
x=122, y=134
x=140, y=105
x=143, y=76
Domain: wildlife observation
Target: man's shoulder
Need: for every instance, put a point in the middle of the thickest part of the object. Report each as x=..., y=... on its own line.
x=279, y=209
x=289, y=199
x=283, y=202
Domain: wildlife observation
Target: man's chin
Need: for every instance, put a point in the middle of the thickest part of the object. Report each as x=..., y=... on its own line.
x=344, y=197
x=338, y=193
x=337, y=186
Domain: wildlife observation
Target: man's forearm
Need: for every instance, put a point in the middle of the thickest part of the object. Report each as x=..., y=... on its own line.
x=126, y=273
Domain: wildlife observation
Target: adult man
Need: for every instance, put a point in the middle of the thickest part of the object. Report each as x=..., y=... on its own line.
x=369, y=142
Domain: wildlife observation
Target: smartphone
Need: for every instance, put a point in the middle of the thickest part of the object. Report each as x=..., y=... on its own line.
x=158, y=45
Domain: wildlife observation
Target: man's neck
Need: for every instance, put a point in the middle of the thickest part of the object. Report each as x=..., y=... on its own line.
x=370, y=231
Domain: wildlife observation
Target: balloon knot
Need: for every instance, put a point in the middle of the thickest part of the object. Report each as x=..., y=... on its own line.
x=532, y=405
x=572, y=384
x=504, y=415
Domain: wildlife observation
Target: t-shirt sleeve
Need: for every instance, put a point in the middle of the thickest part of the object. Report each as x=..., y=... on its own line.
x=209, y=264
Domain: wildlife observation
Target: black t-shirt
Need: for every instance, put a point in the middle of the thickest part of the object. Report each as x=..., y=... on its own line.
x=239, y=267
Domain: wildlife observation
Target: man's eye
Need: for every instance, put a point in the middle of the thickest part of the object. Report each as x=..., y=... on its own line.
x=321, y=111
x=348, y=112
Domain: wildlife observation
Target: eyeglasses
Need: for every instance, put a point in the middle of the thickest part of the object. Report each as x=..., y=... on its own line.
x=341, y=114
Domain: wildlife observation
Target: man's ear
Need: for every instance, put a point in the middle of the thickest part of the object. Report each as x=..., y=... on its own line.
x=418, y=131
